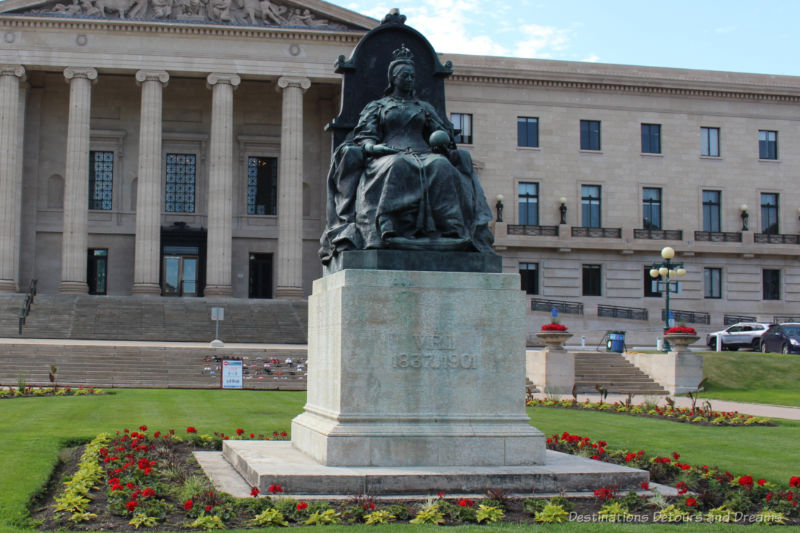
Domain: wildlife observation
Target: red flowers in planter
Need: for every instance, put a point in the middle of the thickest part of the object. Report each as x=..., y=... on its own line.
x=275, y=489
x=681, y=330
x=554, y=327
x=254, y=492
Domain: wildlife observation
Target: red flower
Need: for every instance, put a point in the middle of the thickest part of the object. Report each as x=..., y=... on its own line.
x=191, y=429
x=683, y=330
x=682, y=487
x=156, y=434
x=465, y=502
x=746, y=481
x=239, y=431
x=691, y=502
x=275, y=488
x=645, y=485
x=254, y=492
x=147, y=471
x=676, y=455
x=130, y=485
x=686, y=467
x=441, y=494
x=208, y=508
x=252, y=435
x=369, y=506
x=148, y=493
x=761, y=482
x=142, y=428
x=302, y=506
x=554, y=327
x=630, y=457
x=284, y=434
x=187, y=505
x=604, y=494
x=131, y=505
x=768, y=497
x=794, y=481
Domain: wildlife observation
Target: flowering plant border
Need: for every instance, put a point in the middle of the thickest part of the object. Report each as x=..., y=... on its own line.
x=554, y=326
x=31, y=391
x=702, y=416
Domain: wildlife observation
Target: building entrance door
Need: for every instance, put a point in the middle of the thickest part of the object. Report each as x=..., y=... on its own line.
x=260, y=276
x=97, y=270
x=179, y=273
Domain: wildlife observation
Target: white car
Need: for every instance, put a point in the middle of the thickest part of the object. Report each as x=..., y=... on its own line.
x=739, y=335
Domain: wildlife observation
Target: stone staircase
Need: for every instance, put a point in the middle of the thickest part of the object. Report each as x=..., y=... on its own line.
x=613, y=372
x=155, y=319
x=131, y=365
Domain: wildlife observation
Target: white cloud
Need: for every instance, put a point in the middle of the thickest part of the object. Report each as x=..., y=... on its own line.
x=541, y=41
x=594, y=58
x=725, y=29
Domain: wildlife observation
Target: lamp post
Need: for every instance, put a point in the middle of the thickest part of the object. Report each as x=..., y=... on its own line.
x=667, y=271
x=745, y=217
x=499, y=207
x=562, y=208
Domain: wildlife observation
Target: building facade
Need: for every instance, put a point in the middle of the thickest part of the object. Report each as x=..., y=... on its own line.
x=178, y=149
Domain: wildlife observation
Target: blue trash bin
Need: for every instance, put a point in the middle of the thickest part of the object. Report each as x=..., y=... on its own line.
x=616, y=341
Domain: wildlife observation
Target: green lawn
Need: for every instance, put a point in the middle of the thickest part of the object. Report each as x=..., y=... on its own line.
x=33, y=430
x=752, y=377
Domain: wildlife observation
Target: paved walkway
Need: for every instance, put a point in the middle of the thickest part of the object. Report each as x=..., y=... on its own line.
x=755, y=409
x=80, y=342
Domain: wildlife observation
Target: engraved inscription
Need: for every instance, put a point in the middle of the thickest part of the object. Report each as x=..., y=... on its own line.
x=435, y=361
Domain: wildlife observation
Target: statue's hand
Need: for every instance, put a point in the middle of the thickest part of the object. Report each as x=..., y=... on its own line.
x=377, y=150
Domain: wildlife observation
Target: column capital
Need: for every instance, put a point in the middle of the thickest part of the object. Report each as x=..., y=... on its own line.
x=80, y=72
x=13, y=70
x=219, y=77
x=152, y=75
x=289, y=81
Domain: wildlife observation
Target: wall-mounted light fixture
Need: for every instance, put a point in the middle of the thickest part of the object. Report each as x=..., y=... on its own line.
x=499, y=207
x=745, y=217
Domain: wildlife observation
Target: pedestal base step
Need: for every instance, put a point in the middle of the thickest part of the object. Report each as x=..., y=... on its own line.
x=262, y=464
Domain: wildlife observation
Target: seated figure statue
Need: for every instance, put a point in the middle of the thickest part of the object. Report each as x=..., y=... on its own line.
x=400, y=183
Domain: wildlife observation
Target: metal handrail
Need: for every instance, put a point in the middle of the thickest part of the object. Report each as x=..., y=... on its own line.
x=26, y=307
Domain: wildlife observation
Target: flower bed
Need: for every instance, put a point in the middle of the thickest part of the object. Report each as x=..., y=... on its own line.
x=704, y=415
x=142, y=479
x=554, y=326
x=681, y=330
x=38, y=392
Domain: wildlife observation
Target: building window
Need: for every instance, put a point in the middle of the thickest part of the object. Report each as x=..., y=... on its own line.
x=769, y=213
x=651, y=138
x=262, y=185
x=650, y=285
x=529, y=204
x=527, y=131
x=709, y=142
x=651, y=208
x=101, y=180
x=529, y=277
x=711, y=210
x=767, y=144
x=181, y=172
x=591, y=280
x=462, y=123
x=590, y=134
x=772, y=284
x=590, y=206
x=712, y=278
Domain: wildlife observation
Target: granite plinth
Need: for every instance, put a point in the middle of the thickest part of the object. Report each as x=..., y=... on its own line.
x=417, y=369
x=415, y=260
x=262, y=464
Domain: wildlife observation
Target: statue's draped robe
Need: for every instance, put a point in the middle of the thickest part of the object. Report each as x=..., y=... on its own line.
x=412, y=194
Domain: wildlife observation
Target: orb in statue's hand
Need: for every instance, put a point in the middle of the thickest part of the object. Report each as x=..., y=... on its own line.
x=439, y=139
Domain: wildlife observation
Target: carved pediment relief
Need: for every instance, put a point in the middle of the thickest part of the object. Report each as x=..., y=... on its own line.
x=247, y=12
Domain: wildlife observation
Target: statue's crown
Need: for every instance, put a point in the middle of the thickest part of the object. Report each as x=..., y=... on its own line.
x=402, y=53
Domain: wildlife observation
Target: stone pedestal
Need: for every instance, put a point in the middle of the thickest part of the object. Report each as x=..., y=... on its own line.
x=679, y=371
x=552, y=370
x=417, y=369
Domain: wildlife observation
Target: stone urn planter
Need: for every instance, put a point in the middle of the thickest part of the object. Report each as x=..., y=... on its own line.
x=681, y=341
x=554, y=339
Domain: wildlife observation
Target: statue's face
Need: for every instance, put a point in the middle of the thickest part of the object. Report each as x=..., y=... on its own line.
x=404, y=78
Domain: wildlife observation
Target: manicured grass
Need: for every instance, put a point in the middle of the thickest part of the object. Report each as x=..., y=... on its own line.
x=762, y=452
x=33, y=430
x=752, y=377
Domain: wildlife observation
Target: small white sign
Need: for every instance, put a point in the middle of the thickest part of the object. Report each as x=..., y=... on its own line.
x=217, y=313
x=231, y=374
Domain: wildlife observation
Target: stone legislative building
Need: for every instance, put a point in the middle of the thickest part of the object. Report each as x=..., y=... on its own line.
x=178, y=148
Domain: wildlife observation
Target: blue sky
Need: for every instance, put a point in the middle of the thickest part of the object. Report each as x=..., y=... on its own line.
x=732, y=35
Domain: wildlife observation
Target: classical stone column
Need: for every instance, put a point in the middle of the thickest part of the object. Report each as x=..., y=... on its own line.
x=220, y=185
x=76, y=181
x=148, y=195
x=10, y=175
x=290, y=190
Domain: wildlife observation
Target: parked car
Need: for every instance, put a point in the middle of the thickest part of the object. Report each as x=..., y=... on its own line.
x=739, y=335
x=783, y=338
